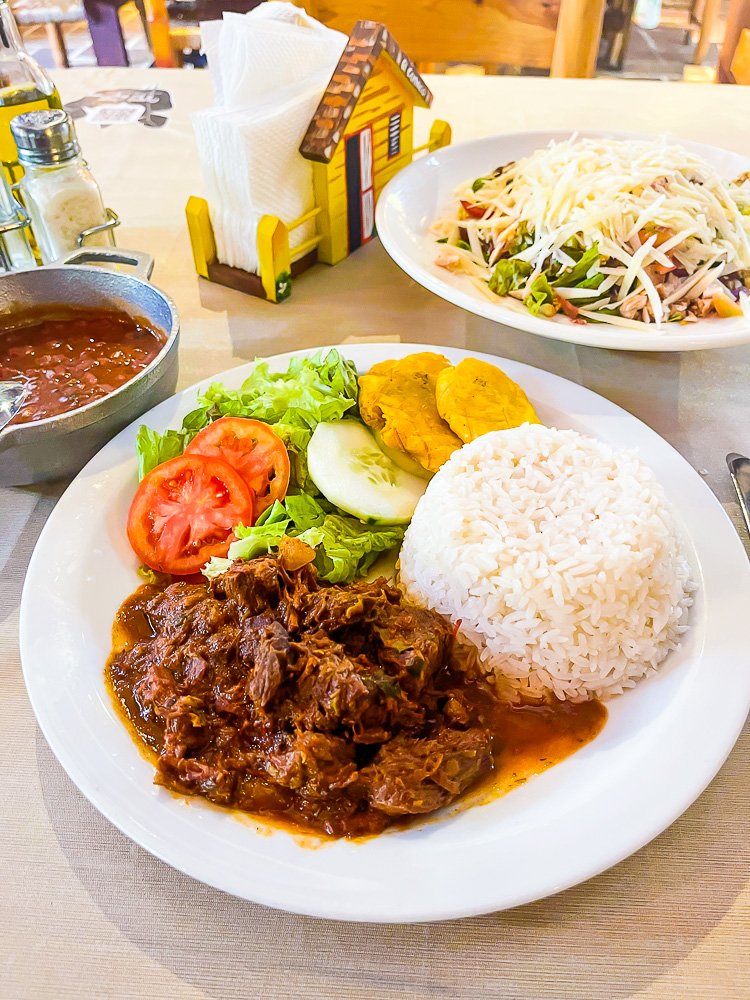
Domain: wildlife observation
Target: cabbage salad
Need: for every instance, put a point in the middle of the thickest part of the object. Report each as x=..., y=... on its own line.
x=624, y=232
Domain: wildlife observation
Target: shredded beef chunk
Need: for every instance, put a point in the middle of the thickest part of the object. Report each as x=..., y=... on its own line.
x=264, y=649
x=411, y=643
x=335, y=708
x=420, y=775
x=335, y=608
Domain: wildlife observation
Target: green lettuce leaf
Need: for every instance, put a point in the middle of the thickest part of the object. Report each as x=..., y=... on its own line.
x=541, y=297
x=348, y=548
x=312, y=390
x=345, y=547
x=508, y=276
x=153, y=448
x=305, y=511
x=575, y=277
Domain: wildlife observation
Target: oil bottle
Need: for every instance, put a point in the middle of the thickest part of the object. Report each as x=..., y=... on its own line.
x=24, y=86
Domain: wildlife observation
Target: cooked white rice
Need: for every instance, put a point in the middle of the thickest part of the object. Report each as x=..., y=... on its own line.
x=559, y=556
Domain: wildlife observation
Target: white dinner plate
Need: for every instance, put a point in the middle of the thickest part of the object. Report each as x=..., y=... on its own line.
x=424, y=190
x=662, y=744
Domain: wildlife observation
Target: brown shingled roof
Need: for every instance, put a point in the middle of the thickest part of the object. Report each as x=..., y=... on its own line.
x=366, y=43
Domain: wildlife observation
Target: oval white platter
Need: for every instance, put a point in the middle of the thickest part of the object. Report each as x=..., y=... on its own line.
x=577, y=819
x=417, y=195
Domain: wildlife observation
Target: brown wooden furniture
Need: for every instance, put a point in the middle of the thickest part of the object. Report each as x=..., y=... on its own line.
x=708, y=16
x=561, y=36
x=53, y=14
x=741, y=60
x=738, y=19
x=618, y=17
x=173, y=25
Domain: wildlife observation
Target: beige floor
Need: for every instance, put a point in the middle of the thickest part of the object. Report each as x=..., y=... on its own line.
x=658, y=54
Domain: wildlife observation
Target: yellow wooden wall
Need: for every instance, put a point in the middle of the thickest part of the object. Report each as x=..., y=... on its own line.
x=383, y=95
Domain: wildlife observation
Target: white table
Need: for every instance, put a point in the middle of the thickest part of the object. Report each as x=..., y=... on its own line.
x=86, y=914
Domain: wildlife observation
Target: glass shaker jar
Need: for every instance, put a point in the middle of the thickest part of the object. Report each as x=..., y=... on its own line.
x=58, y=189
x=15, y=252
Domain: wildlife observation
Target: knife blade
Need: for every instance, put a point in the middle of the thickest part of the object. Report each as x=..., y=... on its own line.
x=739, y=470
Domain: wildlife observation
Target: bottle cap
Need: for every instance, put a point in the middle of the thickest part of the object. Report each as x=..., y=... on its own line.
x=45, y=137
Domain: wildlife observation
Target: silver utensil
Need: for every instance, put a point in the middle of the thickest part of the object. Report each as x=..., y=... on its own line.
x=13, y=394
x=739, y=470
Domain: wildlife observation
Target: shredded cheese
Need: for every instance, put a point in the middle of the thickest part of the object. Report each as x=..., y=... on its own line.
x=651, y=207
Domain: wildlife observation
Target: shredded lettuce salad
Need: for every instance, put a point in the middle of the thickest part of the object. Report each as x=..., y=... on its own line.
x=345, y=547
x=623, y=232
x=313, y=390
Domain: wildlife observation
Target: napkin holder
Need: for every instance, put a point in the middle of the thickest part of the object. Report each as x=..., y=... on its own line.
x=360, y=136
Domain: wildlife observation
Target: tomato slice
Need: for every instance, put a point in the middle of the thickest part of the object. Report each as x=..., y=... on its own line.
x=474, y=211
x=253, y=449
x=184, y=512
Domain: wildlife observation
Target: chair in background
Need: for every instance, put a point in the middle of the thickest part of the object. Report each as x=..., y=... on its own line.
x=733, y=48
x=706, y=14
x=618, y=17
x=561, y=36
x=174, y=25
x=740, y=64
x=53, y=14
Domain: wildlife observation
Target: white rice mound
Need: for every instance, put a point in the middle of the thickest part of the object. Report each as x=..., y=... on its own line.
x=559, y=556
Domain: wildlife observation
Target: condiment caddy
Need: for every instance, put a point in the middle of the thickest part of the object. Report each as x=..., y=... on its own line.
x=50, y=203
x=59, y=201
x=59, y=191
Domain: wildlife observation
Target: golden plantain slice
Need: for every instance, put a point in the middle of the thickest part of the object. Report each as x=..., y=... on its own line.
x=397, y=398
x=476, y=397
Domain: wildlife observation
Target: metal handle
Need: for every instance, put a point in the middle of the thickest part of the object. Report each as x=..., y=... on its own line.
x=739, y=470
x=142, y=263
x=15, y=224
x=112, y=222
x=19, y=221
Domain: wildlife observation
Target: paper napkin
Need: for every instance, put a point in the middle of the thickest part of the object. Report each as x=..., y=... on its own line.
x=269, y=70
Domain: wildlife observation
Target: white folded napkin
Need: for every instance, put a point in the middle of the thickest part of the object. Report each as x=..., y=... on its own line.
x=269, y=69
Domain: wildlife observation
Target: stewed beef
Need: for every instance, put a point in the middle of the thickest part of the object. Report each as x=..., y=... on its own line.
x=337, y=708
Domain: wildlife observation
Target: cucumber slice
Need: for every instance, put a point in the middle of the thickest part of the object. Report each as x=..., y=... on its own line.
x=349, y=469
x=401, y=459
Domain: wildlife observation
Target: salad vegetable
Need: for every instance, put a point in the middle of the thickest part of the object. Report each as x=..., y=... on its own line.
x=184, y=511
x=622, y=232
x=318, y=388
x=223, y=485
x=253, y=449
x=345, y=547
x=351, y=471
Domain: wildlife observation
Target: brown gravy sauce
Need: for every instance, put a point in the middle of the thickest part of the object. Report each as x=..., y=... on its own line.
x=531, y=738
x=73, y=355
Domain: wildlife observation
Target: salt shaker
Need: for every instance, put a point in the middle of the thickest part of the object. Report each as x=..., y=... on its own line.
x=58, y=189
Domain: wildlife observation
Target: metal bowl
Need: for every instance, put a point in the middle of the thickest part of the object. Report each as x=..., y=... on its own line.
x=61, y=445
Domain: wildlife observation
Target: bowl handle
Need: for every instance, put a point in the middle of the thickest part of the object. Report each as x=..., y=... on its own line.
x=142, y=263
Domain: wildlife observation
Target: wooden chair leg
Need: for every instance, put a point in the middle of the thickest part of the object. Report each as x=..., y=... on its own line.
x=710, y=14
x=105, y=29
x=159, y=36
x=579, y=29
x=56, y=40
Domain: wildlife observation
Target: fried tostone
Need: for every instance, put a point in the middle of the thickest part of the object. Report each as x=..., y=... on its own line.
x=475, y=397
x=397, y=398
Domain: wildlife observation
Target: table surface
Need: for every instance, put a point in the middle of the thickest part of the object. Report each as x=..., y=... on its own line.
x=87, y=914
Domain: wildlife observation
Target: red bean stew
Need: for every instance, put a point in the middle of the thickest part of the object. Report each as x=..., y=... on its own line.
x=73, y=355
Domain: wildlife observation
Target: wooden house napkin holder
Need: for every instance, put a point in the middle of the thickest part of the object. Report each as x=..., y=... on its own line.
x=360, y=136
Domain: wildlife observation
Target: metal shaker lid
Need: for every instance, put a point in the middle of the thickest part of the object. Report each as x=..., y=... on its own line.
x=45, y=137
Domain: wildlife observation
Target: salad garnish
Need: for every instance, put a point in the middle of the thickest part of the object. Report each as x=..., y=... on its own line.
x=622, y=232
